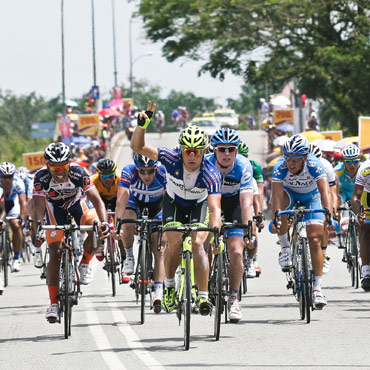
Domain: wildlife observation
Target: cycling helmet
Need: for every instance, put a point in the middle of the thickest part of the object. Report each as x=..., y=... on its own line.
x=315, y=150
x=225, y=136
x=7, y=168
x=243, y=149
x=105, y=166
x=57, y=152
x=296, y=145
x=142, y=161
x=193, y=137
x=351, y=151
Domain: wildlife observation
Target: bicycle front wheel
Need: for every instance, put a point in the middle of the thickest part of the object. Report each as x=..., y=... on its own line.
x=5, y=259
x=354, y=253
x=111, y=263
x=143, y=277
x=66, y=293
x=218, y=297
x=307, y=287
x=187, y=300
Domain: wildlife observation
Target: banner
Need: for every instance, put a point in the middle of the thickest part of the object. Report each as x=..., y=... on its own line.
x=34, y=161
x=283, y=116
x=335, y=135
x=364, y=133
x=42, y=129
x=64, y=126
x=88, y=124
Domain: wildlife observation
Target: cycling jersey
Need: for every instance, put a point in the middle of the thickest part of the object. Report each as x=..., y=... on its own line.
x=238, y=179
x=257, y=171
x=329, y=170
x=144, y=193
x=305, y=181
x=104, y=192
x=62, y=195
x=208, y=180
x=12, y=206
x=346, y=183
x=363, y=179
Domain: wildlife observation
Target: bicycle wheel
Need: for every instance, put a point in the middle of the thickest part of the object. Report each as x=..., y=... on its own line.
x=355, y=252
x=111, y=263
x=226, y=284
x=306, y=280
x=6, y=258
x=297, y=282
x=65, y=297
x=143, y=278
x=218, y=296
x=187, y=301
x=245, y=271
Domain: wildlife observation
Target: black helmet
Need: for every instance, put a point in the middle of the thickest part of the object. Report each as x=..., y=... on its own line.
x=142, y=161
x=106, y=166
x=57, y=152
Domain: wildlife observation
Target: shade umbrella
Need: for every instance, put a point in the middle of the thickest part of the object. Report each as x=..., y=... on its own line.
x=116, y=103
x=327, y=145
x=280, y=102
x=286, y=127
x=280, y=140
x=109, y=112
x=73, y=116
x=346, y=141
x=71, y=103
x=312, y=135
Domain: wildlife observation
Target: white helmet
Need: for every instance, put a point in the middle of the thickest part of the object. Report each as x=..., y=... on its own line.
x=315, y=150
x=7, y=168
x=351, y=152
x=57, y=152
x=296, y=145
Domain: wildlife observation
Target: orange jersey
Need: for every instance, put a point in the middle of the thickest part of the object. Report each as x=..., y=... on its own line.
x=104, y=192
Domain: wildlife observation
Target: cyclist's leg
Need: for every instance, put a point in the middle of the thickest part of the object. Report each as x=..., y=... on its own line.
x=17, y=235
x=364, y=244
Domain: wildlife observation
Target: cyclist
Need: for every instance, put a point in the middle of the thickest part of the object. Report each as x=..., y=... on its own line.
x=60, y=188
x=142, y=185
x=193, y=183
x=243, y=149
x=347, y=170
x=361, y=197
x=236, y=204
x=15, y=203
x=300, y=177
x=329, y=171
x=106, y=182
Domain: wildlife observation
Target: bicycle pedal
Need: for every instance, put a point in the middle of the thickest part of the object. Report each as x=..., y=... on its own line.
x=52, y=320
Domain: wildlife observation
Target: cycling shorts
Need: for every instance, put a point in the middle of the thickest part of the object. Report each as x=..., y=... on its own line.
x=365, y=201
x=172, y=211
x=12, y=207
x=232, y=212
x=82, y=212
x=154, y=208
x=310, y=200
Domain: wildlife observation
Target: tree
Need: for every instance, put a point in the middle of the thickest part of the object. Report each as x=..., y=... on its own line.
x=323, y=45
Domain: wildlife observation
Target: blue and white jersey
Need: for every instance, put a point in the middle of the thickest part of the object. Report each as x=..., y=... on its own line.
x=18, y=187
x=238, y=179
x=305, y=181
x=346, y=182
x=144, y=193
x=192, y=190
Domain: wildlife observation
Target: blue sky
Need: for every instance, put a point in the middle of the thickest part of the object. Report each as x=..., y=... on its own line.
x=30, y=39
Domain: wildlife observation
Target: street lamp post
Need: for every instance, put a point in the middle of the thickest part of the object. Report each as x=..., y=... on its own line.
x=62, y=29
x=114, y=44
x=133, y=61
x=93, y=39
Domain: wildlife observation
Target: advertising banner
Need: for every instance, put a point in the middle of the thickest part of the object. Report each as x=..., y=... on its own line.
x=88, y=124
x=34, y=161
x=335, y=135
x=64, y=126
x=364, y=133
x=283, y=116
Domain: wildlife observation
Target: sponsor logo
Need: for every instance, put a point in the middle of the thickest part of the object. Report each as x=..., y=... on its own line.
x=311, y=164
x=365, y=172
x=53, y=233
x=277, y=173
x=318, y=169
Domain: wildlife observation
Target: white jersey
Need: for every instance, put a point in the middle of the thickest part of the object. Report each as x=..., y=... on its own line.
x=363, y=176
x=329, y=170
x=255, y=187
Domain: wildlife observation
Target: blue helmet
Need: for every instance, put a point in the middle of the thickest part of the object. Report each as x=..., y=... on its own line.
x=142, y=161
x=296, y=145
x=225, y=136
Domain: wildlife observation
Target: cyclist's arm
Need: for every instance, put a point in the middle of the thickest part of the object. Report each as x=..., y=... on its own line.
x=261, y=189
x=23, y=205
x=214, y=206
x=356, y=198
x=122, y=198
x=39, y=207
x=322, y=185
x=94, y=197
x=256, y=204
x=277, y=196
x=246, y=205
x=334, y=197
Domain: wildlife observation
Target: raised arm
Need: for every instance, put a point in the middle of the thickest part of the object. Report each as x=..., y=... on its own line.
x=138, y=137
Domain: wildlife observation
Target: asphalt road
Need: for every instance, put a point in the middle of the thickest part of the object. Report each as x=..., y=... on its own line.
x=106, y=333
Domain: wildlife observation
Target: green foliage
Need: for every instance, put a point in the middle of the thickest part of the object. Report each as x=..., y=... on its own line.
x=323, y=45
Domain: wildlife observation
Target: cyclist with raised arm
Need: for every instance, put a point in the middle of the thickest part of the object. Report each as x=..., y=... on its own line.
x=330, y=173
x=193, y=185
x=299, y=176
x=236, y=204
x=142, y=185
x=361, y=198
x=15, y=203
x=59, y=189
x=106, y=182
x=243, y=149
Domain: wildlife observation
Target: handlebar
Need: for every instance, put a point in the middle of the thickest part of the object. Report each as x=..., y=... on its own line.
x=138, y=221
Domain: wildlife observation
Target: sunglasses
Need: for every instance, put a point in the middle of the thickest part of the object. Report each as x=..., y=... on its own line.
x=58, y=168
x=294, y=159
x=222, y=149
x=193, y=151
x=7, y=176
x=149, y=172
x=352, y=161
x=111, y=175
